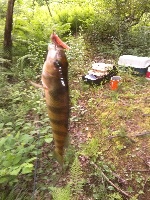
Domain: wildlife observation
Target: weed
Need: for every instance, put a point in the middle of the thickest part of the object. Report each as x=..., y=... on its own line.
x=115, y=196
x=91, y=149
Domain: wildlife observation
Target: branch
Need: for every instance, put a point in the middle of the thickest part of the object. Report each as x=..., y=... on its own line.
x=142, y=134
x=111, y=183
x=121, y=180
x=125, y=136
x=48, y=8
x=138, y=170
x=117, y=188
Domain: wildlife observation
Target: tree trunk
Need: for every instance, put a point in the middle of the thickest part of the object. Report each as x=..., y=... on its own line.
x=7, y=45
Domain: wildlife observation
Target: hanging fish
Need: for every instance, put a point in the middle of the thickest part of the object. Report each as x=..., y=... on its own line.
x=55, y=84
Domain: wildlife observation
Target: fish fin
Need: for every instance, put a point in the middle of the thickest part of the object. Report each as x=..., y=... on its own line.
x=37, y=85
x=59, y=157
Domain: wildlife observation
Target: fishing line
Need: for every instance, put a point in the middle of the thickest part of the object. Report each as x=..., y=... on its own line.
x=33, y=6
x=36, y=161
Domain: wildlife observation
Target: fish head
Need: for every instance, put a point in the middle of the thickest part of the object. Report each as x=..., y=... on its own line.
x=56, y=60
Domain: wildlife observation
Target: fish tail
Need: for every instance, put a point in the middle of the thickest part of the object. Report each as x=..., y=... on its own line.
x=59, y=156
x=59, y=151
x=67, y=141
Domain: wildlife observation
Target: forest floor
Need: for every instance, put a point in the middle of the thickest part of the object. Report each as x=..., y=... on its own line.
x=109, y=153
x=110, y=135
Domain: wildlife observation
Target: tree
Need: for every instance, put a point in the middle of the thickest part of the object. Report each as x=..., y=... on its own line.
x=7, y=45
x=127, y=12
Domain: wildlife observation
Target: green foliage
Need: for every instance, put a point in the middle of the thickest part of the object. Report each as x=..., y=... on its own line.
x=76, y=56
x=74, y=187
x=76, y=176
x=99, y=192
x=61, y=193
x=31, y=21
x=2, y=9
x=14, y=194
x=69, y=156
x=115, y=196
x=92, y=148
x=14, y=150
x=18, y=134
x=139, y=37
x=75, y=95
x=108, y=28
x=115, y=25
x=99, y=30
x=30, y=65
x=74, y=16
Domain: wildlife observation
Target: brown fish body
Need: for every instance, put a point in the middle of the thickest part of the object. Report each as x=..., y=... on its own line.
x=55, y=82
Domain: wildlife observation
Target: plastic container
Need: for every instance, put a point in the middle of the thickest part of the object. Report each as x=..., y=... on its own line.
x=148, y=74
x=114, y=82
x=138, y=64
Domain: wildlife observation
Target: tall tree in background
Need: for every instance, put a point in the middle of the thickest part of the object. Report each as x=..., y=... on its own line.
x=7, y=45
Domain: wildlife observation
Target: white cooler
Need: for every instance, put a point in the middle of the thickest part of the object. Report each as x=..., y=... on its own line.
x=139, y=64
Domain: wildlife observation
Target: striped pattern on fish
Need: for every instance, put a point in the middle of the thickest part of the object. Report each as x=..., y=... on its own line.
x=55, y=82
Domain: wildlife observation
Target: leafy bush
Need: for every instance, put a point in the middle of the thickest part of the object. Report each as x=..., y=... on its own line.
x=110, y=32
x=92, y=149
x=103, y=28
x=74, y=16
x=76, y=56
x=18, y=133
x=30, y=65
x=139, y=38
x=17, y=141
x=14, y=151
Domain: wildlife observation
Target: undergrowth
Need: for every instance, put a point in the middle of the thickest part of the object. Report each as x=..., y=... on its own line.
x=104, y=146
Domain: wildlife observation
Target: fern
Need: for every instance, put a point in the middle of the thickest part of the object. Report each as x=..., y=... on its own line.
x=74, y=187
x=61, y=193
x=76, y=177
x=21, y=61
